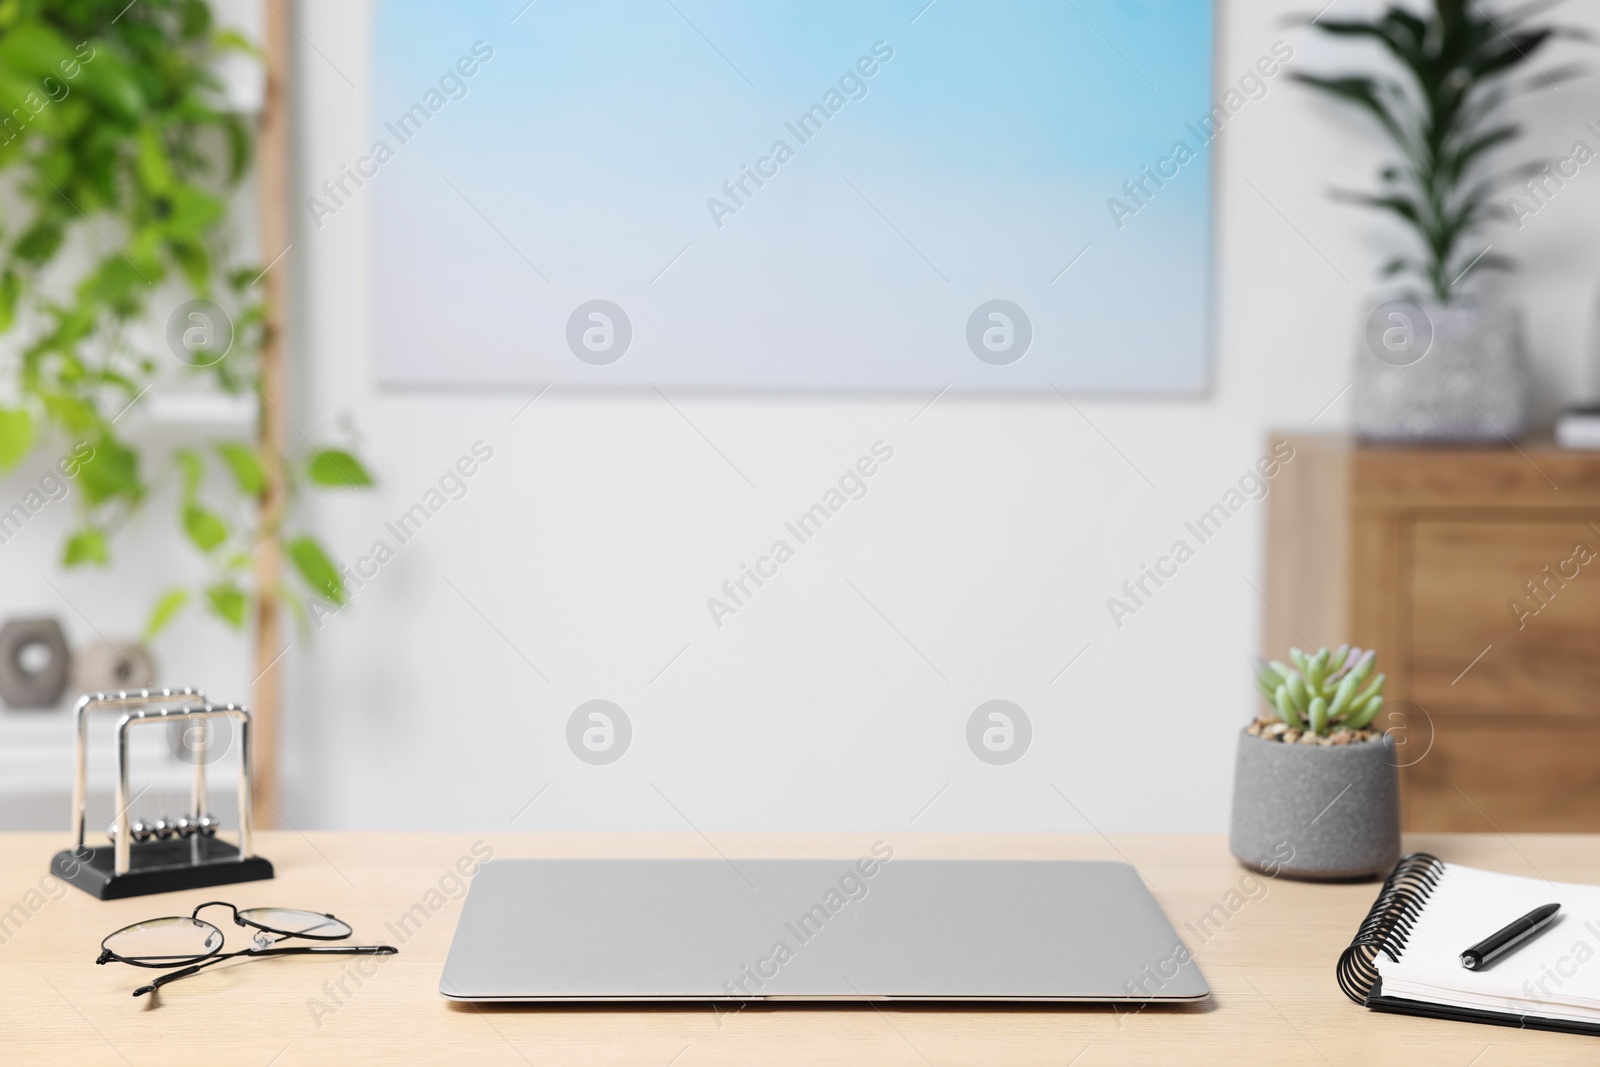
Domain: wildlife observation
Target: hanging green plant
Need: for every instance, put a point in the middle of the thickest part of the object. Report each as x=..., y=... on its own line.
x=117, y=144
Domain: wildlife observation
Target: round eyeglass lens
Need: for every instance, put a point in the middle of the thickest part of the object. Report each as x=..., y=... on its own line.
x=170, y=941
x=293, y=921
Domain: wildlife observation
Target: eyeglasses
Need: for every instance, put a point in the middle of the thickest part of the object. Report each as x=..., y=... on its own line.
x=191, y=943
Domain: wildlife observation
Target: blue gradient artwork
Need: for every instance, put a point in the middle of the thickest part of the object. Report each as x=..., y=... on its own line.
x=789, y=194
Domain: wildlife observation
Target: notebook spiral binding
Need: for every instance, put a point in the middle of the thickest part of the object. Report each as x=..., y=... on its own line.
x=1389, y=923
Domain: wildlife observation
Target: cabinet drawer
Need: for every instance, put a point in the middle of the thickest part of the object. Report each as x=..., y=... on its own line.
x=1470, y=592
x=1505, y=779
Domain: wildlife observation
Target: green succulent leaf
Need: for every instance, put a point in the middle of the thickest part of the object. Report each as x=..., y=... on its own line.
x=1343, y=696
x=1319, y=717
x=1364, y=713
x=1316, y=670
x=1362, y=668
x=1286, y=709
x=1298, y=693
x=1327, y=692
x=1266, y=678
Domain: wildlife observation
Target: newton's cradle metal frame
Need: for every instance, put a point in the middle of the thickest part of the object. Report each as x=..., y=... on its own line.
x=165, y=855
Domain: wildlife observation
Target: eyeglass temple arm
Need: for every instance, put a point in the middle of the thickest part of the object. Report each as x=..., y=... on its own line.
x=298, y=950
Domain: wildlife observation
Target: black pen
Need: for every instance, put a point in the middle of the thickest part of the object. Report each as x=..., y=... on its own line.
x=1508, y=937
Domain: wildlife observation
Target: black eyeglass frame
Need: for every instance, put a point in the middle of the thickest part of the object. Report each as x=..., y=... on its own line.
x=190, y=965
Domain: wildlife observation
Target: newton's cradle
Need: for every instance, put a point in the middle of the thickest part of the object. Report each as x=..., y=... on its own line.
x=164, y=854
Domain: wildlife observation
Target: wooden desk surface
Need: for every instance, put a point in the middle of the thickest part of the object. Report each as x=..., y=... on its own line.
x=1270, y=965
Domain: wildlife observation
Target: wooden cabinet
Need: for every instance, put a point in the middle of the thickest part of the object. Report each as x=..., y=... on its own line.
x=1476, y=575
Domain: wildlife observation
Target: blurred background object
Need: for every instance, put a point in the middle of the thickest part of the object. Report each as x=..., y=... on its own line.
x=35, y=663
x=108, y=666
x=1450, y=363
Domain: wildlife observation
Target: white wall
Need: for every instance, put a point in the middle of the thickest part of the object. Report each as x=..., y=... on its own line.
x=586, y=548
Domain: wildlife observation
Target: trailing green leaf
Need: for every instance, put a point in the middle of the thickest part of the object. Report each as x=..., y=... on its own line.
x=205, y=528
x=228, y=602
x=111, y=472
x=16, y=436
x=86, y=546
x=167, y=608
x=248, y=474
x=193, y=469
x=336, y=468
x=316, y=569
x=139, y=163
x=10, y=293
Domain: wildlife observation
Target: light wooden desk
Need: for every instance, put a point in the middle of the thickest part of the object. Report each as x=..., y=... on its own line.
x=1269, y=960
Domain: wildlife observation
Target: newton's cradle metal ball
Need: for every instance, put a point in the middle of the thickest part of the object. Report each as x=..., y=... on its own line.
x=164, y=828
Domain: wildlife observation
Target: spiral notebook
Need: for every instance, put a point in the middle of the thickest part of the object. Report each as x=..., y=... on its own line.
x=1406, y=957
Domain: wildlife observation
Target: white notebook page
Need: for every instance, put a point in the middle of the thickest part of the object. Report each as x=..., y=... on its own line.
x=1557, y=974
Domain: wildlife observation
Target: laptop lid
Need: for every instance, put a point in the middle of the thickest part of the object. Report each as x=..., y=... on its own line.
x=873, y=927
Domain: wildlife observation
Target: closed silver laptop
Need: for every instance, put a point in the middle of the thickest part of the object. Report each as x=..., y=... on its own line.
x=874, y=927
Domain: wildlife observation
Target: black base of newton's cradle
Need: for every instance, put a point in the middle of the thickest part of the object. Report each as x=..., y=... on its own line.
x=158, y=867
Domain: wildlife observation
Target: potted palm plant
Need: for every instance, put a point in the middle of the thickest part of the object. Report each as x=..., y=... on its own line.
x=1441, y=358
x=1316, y=790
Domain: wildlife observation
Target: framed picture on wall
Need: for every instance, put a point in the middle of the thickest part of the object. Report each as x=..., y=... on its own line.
x=793, y=194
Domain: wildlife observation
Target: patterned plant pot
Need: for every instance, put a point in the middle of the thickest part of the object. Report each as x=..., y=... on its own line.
x=1431, y=373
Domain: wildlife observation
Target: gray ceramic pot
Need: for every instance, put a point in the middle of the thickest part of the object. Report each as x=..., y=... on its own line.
x=1425, y=372
x=1316, y=811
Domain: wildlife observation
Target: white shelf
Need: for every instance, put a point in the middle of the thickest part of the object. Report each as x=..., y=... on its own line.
x=205, y=413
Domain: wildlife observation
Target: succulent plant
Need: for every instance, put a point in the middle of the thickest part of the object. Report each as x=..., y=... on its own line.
x=1325, y=691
